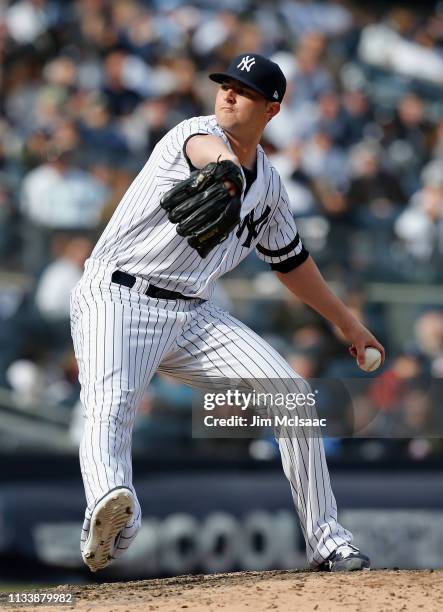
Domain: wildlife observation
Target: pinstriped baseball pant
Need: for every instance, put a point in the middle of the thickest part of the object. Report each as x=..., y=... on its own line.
x=122, y=337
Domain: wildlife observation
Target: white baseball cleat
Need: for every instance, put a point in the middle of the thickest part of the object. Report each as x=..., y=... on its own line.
x=109, y=517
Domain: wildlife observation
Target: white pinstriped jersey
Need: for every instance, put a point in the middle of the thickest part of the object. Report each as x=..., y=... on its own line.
x=141, y=241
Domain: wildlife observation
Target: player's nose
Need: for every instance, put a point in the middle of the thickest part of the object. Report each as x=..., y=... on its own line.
x=230, y=94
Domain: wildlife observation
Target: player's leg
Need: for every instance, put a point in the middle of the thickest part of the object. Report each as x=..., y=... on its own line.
x=216, y=345
x=118, y=342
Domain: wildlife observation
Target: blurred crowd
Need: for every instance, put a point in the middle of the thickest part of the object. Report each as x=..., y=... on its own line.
x=88, y=87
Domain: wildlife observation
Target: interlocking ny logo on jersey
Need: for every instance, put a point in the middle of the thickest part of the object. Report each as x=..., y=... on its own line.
x=246, y=63
x=253, y=226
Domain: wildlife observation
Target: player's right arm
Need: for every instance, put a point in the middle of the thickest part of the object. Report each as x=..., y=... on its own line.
x=307, y=283
x=203, y=149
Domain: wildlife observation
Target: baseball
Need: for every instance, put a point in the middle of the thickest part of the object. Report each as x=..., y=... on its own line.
x=372, y=360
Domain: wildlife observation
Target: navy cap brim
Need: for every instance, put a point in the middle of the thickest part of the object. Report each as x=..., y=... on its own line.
x=220, y=77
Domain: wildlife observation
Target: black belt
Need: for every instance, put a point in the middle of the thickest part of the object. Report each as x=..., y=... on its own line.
x=127, y=280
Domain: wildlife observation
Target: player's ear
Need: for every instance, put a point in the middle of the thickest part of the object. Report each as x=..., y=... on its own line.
x=272, y=110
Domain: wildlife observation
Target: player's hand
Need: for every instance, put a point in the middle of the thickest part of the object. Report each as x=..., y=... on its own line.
x=232, y=188
x=360, y=339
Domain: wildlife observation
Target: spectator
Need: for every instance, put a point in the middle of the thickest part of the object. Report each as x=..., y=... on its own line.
x=98, y=133
x=330, y=18
x=332, y=119
x=298, y=184
x=310, y=77
x=382, y=46
x=360, y=117
x=213, y=32
x=28, y=19
x=121, y=98
x=409, y=138
x=375, y=195
x=52, y=295
x=322, y=160
x=420, y=226
x=428, y=331
x=389, y=388
x=60, y=195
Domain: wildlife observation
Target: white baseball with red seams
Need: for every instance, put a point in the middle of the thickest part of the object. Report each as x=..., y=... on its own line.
x=372, y=360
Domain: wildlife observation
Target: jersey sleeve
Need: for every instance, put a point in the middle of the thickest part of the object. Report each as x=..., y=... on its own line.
x=281, y=245
x=199, y=127
x=174, y=164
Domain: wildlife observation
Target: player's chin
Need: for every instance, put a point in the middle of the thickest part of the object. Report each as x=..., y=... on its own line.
x=226, y=118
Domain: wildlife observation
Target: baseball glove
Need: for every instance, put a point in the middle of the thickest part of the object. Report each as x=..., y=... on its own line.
x=202, y=206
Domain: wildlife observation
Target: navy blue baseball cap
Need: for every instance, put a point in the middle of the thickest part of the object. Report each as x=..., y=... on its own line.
x=257, y=72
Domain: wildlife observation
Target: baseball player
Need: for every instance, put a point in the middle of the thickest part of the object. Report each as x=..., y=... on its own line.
x=206, y=198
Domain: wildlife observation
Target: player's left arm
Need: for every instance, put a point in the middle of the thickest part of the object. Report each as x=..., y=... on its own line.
x=202, y=149
x=308, y=284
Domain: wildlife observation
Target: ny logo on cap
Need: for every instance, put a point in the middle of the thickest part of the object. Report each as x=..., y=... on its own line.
x=246, y=63
x=275, y=95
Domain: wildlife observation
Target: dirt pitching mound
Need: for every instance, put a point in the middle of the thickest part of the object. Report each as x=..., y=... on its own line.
x=380, y=590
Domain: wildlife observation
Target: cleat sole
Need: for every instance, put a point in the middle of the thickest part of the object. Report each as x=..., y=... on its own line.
x=109, y=517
